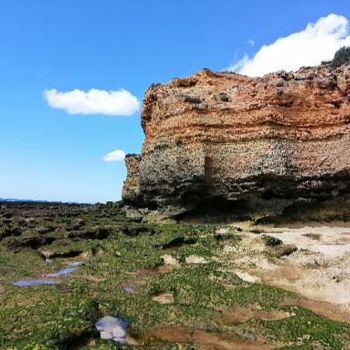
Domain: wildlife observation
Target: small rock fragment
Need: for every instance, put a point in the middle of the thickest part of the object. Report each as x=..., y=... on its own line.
x=194, y=259
x=169, y=260
x=165, y=298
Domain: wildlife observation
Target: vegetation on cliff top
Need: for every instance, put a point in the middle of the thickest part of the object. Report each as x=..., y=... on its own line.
x=342, y=56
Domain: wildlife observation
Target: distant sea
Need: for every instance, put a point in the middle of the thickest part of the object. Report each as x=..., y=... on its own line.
x=17, y=200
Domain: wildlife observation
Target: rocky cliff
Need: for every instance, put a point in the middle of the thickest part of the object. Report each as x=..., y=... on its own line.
x=258, y=146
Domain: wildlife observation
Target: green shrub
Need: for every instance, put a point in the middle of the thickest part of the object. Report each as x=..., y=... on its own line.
x=342, y=56
x=271, y=241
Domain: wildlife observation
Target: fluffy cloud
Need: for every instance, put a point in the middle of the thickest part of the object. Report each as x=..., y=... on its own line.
x=115, y=156
x=116, y=103
x=316, y=43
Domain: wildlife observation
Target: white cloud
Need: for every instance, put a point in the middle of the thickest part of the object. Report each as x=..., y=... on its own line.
x=316, y=43
x=117, y=103
x=115, y=156
x=236, y=67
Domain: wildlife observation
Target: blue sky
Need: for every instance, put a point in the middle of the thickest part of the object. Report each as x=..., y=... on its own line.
x=47, y=153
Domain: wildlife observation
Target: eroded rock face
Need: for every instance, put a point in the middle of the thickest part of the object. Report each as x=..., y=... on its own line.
x=253, y=145
x=131, y=188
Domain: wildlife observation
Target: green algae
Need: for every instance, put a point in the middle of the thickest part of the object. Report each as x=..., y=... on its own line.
x=130, y=254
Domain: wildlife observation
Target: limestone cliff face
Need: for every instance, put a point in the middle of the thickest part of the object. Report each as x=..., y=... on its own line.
x=264, y=143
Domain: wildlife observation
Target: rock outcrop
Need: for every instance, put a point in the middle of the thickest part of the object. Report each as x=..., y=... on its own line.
x=258, y=146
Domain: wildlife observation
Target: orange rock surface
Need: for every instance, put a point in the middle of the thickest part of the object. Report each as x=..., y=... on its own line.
x=269, y=141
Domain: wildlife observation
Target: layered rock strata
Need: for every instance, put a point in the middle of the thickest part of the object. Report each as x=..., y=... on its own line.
x=256, y=145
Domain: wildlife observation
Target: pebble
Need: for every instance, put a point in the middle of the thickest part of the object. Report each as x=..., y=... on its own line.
x=194, y=259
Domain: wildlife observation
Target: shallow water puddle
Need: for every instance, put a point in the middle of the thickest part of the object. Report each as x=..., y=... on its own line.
x=112, y=328
x=47, y=282
x=32, y=283
x=62, y=272
x=129, y=290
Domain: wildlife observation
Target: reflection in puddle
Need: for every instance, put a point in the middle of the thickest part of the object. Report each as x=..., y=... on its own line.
x=34, y=283
x=112, y=328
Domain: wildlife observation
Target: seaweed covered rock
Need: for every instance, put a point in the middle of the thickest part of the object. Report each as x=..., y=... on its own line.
x=249, y=146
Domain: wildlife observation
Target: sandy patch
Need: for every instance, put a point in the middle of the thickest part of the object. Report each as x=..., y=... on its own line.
x=244, y=314
x=206, y=340
x=319, y=270
x=327, y=310
x=245, y=276
x=165, y=298
x=332, y=241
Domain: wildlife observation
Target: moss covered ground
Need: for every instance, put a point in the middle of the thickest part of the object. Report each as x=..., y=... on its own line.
x=123, y=268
